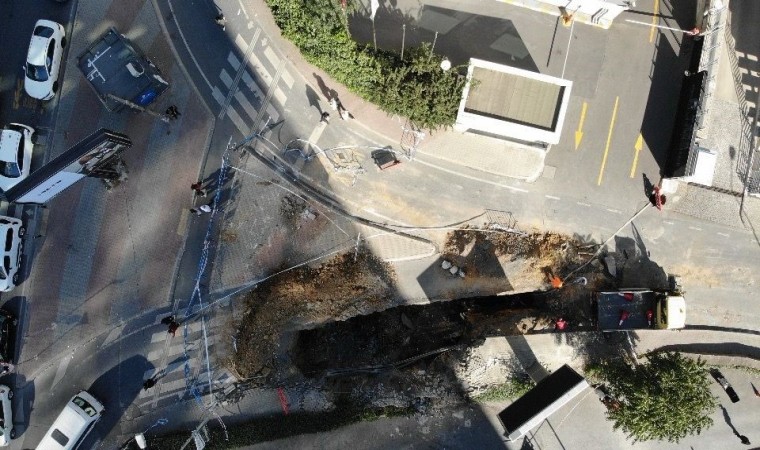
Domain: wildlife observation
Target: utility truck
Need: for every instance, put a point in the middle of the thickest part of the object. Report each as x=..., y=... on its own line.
x=635, y=309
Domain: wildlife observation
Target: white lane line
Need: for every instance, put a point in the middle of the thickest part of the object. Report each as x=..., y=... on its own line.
x=723, y=234
x=241, y=43
x=218, y=96
x=272, y=112
x=247, y=106
x=272, y=56
x=259, y=68
x=234, y=62
x=280, y=96
x=667, y=222
x=226, y=78
x=187, y=46
x=614, y=211
x=61, y=370
x=317, y=132
x=112, y=336
x=551, y=197
x=252, y=85
x=695, y=228
x=492, y=183
x=287, y=78
x=583, y=204
x=238, y=75
x=237, y=120
x=242, y=8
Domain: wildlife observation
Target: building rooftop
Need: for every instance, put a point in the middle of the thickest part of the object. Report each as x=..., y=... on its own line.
x=513, y=103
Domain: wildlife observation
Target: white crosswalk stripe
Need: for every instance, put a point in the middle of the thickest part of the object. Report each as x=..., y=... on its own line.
x=170, y=356
x=261, y=66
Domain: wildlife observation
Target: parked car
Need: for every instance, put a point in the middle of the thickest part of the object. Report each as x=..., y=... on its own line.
x=43, y=61
x=7, y=431
x=8, y=324
x=16, y=145
x=13, y=230
x=78, y=417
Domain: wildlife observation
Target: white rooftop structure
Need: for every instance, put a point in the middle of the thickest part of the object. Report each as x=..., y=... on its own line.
x=512, y=103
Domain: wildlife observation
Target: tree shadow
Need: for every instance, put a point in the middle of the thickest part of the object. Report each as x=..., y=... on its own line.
x=497, y=39
x=128, y=376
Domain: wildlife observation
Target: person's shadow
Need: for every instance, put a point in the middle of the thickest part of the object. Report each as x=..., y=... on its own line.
x=648, y=186
x=313, y=98
x=326, y=91
x=727, y=418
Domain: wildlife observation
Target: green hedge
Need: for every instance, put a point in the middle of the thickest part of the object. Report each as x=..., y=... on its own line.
x=415, y=87
x=517, y=386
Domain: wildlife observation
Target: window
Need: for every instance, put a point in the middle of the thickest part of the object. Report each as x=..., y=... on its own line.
x=59, y=437
x=50, y=55
x=45, y=32
x=9, y=239
x=20, y=154
x=9, y=169
x=85, y=405
x=36, y=73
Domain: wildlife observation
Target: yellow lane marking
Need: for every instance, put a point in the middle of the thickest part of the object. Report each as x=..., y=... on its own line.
x=654, y=20
x=637, y=146
x=609, y=139
x=579, y=132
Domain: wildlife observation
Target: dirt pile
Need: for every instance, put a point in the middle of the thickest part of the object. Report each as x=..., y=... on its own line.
x=345, y=286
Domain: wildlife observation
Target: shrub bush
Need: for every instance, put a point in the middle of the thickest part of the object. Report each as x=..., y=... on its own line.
x=415, y=87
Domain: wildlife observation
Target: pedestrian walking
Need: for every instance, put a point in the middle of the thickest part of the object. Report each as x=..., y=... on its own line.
x=198, y=189
x=172, y=112
x=325, y=117
x=221, y=21
x=173, y=326
x=149, y=383
x=334, y=103
x=744, y=439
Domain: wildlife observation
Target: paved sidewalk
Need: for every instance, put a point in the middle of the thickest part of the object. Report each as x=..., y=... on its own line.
x=499, y=157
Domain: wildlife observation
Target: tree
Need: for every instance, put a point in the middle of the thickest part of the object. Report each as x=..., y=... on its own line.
x=666, y=398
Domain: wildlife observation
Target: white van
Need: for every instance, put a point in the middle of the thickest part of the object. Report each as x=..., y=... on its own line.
x=72, y=425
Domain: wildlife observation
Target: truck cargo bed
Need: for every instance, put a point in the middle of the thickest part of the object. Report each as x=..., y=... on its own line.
x=612, y=304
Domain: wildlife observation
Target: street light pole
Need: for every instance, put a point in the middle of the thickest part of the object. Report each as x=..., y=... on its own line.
x=692, y=32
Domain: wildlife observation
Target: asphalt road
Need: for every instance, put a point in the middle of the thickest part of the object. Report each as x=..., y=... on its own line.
x=106, y=333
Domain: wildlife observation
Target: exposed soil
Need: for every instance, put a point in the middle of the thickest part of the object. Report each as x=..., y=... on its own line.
x=336, y=327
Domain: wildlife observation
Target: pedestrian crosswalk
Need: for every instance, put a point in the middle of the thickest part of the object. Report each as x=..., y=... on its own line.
x=184, y=365
x=252, y=91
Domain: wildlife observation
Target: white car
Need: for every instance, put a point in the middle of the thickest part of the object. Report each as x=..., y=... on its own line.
x=43, y=62
x=16, y=144
x=12, y=230
x=7, y=432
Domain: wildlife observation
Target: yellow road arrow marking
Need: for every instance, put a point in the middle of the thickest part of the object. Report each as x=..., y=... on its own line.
x=609, y=139
x=579, y=132
x=637, y=146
